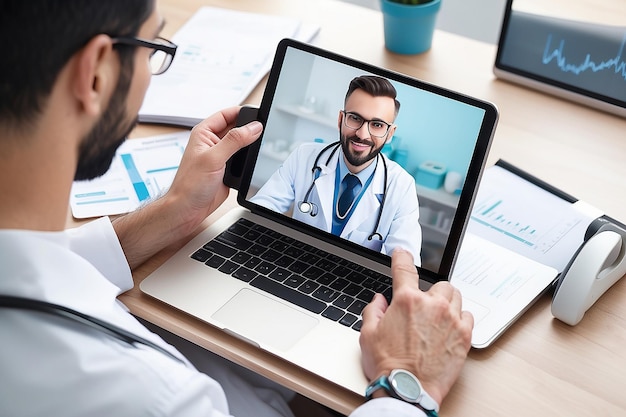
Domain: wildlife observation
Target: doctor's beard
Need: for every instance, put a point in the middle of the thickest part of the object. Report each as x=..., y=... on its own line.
x=358, y=159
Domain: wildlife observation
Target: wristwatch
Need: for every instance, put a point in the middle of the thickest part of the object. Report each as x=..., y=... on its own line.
x=404, y=386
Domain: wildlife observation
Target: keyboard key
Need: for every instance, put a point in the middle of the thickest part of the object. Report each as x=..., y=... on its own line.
x=253, y=262
x=357, y=325
x=238, y=229
x=357, y=307
x=352, y=289
x=325, y=264
x=348, y=320
x=270, y=255
x=309, y=258
x=246, y=222
x=265, y=240
x=356, y=277
x=313, y=272
x=219, y=248
x=343, y=301
x=294, y=281
x=264, y=268
x=228, y=267
x=280, y=274
x=333, y=313
x=234, y=241
x=341, y=271
x=241, y=258
x=365, y=295
x=252, y=235
x=278, y=246
x=293, y=251
x=325, y=278
x=256, y=250
x=305, y=301
x=215, y=261
x=339, y=284
x=201, y=255
x=308, y=286
x=325, y=294
x=284, y=261
x=244, y=274
x=298, y=267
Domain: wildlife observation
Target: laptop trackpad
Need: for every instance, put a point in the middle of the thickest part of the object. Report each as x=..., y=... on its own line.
x=263, y=320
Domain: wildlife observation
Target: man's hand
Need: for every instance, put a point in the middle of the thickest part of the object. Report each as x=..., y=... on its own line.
x=198, y=185
x=197, y=189
x=425, y=333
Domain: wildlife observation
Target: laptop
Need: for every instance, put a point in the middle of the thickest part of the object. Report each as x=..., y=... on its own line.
x=297, y=291
x=577, y=53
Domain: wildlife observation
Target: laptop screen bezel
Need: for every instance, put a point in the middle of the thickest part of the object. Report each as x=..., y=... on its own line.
x=466, y=198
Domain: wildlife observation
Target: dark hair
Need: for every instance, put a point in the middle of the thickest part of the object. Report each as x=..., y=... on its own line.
x=40, y=37
x=375, y=86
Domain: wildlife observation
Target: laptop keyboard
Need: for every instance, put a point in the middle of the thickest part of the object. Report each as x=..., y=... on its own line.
x=311, y=278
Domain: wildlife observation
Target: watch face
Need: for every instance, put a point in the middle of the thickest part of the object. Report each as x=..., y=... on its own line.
x=406, y=386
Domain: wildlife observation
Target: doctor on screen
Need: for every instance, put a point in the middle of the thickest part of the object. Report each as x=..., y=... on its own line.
x=349, y=188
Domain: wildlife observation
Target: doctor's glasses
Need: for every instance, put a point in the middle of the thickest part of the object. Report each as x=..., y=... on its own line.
x=354, y=121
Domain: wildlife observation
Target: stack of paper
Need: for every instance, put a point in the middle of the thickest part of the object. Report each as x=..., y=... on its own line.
x=222, y=55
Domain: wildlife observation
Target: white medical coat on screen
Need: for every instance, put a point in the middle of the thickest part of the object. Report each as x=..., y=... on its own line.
x=399, y=221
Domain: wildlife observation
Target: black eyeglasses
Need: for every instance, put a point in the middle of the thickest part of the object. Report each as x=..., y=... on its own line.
x=377, y=128
x=162, y=56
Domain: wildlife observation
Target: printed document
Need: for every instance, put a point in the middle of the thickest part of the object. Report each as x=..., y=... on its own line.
x=222, y=55
x=141, y=170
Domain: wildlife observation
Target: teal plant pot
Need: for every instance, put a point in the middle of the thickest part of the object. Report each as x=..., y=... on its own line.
x=409, y=28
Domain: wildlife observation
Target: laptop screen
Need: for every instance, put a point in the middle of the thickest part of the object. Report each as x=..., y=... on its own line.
x=417, y=171
x=578, y=52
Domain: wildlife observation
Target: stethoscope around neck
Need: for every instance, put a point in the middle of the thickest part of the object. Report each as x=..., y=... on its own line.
x=306, y=206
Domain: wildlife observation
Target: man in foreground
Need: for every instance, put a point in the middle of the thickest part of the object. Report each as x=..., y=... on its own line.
x=74, y=76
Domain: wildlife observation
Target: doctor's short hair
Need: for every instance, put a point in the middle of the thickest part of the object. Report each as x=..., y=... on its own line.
x=375, y=86
x=41, y=36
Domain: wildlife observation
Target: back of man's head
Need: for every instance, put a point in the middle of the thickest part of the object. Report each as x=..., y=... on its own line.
x=39, y=38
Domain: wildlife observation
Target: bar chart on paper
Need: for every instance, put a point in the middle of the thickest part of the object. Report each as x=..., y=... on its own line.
x=501, y=216
x=527, y=219
x=142, y=169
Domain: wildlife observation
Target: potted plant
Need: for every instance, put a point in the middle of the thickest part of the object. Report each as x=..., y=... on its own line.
x=409, y=24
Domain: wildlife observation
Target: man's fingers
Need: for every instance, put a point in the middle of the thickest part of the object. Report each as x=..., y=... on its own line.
x=239, y=137
x=403, y=269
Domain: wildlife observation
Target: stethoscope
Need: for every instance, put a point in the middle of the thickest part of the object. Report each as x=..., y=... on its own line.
x=93, y=322
x=306, y=206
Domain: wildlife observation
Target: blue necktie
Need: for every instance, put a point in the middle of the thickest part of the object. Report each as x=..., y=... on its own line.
x=352, y=187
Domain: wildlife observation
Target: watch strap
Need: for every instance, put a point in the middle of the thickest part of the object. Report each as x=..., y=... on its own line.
x=383, y=382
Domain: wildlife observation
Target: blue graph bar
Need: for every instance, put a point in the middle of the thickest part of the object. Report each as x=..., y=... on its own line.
x=138, y=184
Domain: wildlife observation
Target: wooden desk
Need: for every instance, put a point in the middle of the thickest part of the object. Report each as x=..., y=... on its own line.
x=539, y=366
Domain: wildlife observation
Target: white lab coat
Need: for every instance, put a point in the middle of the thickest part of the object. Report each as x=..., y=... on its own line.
x=57, y=367
x=399, y=221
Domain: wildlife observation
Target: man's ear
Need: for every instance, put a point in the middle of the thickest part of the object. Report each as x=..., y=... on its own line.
x=392, y=130
x=96, y=72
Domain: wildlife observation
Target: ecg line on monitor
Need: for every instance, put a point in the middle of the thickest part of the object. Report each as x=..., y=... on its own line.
x=618, y=63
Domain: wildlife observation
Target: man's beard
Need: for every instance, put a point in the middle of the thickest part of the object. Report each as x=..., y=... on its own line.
x=359, y=159
x=98, y=148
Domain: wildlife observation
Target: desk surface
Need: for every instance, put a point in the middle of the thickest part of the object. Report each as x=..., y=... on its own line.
x=539, y=366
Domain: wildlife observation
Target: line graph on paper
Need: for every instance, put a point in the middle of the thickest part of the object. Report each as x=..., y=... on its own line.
x=616, y=64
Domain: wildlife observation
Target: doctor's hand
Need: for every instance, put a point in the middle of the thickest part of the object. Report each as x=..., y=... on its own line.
x=198, y=187
x=425, y=333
